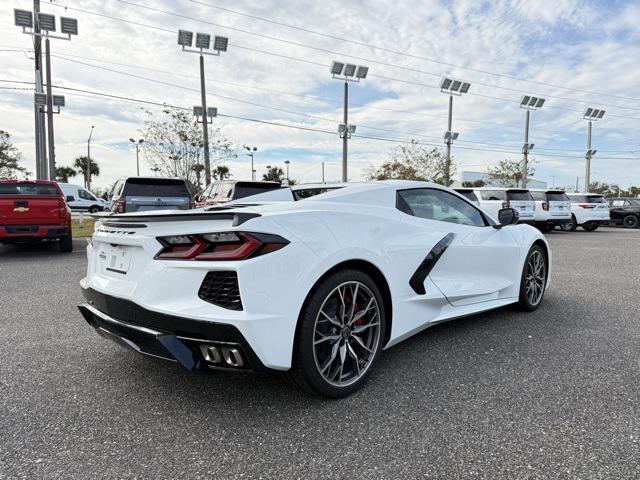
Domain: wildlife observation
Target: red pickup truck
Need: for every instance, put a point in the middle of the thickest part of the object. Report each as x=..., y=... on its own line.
x=32, y=211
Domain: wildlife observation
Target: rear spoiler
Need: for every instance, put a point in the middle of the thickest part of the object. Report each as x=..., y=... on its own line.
x=133, y=221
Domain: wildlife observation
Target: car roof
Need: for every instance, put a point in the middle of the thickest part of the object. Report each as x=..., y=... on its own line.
x=39, y=182
x=303, y=186
x=506, y=189
x=583, y=194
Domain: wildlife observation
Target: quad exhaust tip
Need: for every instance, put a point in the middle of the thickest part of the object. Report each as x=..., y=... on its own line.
x=222, y=355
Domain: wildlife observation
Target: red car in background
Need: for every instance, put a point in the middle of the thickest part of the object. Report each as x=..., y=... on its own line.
x=33, y=211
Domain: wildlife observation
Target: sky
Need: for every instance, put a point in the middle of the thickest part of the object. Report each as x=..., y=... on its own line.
x=576, y=54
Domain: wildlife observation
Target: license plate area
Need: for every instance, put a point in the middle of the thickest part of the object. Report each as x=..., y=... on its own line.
x=115, y=259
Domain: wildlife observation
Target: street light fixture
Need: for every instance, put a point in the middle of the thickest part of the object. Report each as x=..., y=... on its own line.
x=88, y=166
x=251, y=151
x=451, y=87
x=348, y=72
x=591, y=115
x=137, y=144
x=529, y=103
x=44, y=26
x=203, y=42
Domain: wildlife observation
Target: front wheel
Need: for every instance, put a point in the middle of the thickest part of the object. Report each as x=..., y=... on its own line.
x=534, y=279
x=571, y=225
x=95, y=209
x=66, y=243
x=630, y=221
x=340, y=335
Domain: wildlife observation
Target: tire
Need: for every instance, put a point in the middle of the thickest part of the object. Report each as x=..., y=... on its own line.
x=630, y=221
x=66, y=244
x=531, y=297
x=590, y=227
x=546, y=228
x=570, y=226
x=95, y=209
x=327, y=345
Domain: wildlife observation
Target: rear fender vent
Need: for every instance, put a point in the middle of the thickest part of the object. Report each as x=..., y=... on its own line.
x=221, y=288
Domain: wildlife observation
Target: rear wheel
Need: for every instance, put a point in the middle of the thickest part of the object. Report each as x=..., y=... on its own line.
x=630, y=221
x=571, y=225
x=66, y=243
x=340, y=335
x=534, y=279
x=590, y=227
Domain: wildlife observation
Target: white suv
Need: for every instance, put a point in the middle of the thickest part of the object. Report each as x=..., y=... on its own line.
x=589, y=210
x=553, y=207
x=492, y=199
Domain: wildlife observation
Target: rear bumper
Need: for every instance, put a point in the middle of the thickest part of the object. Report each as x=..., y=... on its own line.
x=553, y=221
x=598, y=221
x=24, y=233
x=178, y=339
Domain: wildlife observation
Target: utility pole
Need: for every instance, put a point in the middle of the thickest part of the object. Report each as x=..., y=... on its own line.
x=88, y=166
x=251, y=151
x=591, y=115
x=203, y=42
x=529, y=103
x=40, y=141
x=447, y=165
x=52, y=148
x=451, y=87
x=349, y=73
x=322, y=172
x=287, y=162
x=137, y=144
x=587, y=170
x=553, y=181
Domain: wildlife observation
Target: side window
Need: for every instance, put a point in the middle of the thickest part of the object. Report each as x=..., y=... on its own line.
x=224, y=191
x=617, y=203
x=84, y=195
x=434, y=204
x=207, y=192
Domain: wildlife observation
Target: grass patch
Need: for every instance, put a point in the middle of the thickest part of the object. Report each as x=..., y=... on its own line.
x=86, y=230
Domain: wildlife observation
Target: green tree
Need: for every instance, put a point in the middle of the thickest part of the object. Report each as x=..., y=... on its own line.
x=80, y=164
x=221, y=172
x=173, y=145
x=64, y=173
x=10, y=158
x=412, y=161
x=474, y=184
x=508, y=173
x=608, y=190
x=274, y=174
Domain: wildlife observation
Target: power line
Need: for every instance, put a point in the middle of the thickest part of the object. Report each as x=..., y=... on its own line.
x=324, y=50
x=406, y=54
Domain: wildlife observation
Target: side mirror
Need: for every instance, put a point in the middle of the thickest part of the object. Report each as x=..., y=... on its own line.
x=507, y=216
x=70, y=198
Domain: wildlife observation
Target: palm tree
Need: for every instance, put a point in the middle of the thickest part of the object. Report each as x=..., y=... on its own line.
x=63, y=174
x=80, y=164
x=221, y=172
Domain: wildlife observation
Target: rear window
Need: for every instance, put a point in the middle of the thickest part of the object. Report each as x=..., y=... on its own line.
x=557, y=197
x=468, y=194
x=152, y=187
x=595, y=199
x=519, y=195
x=587, y=199
x=493, y=194
x=27, y=189
x=246, y=189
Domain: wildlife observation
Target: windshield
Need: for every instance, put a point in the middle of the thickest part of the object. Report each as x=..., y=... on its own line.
x=151, y=187
x=27, y=189
x=519, y=195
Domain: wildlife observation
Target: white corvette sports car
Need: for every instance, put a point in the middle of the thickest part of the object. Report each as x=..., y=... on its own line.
x=316, y=287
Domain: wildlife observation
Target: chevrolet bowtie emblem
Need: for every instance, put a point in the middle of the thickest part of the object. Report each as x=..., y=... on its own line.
x=21, y=209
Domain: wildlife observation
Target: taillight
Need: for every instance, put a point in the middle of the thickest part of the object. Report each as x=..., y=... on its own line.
x=506, y=204
x=62, y=207
x=545, y=206
x=219, y=246
x=120, y=206
x=586, y=205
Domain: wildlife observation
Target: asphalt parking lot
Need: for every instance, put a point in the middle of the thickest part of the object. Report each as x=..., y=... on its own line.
x=551, y=394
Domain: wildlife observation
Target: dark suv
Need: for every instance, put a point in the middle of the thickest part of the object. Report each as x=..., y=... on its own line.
x=138, y=194
x=625, y=211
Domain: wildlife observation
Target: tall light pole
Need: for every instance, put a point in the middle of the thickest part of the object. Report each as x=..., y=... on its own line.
x=347, y=72
x=251, y=151
x=287, y=162
x=451, y=87
x=137, y=144
x=43, y=26
x=591, y=115
x=529, y=103
x=88, y=166
x=203, y=42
